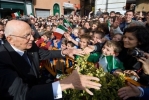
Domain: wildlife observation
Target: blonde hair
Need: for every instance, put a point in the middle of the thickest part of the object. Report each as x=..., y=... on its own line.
x=117, y=46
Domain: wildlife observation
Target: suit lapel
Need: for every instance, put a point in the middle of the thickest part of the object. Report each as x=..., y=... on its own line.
x=34, y=68
x=19, y=63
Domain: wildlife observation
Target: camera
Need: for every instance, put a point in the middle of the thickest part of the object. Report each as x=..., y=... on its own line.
x=137, y=53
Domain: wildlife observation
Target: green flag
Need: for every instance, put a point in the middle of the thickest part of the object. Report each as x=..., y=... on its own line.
x=67, y=23
x=114, y=63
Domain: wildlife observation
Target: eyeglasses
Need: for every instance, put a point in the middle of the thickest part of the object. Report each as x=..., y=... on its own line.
x=27, y=36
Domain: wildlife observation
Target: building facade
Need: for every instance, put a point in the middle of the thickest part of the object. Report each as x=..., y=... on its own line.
x=110, y=5
x=11, y=6
x=44, y=8
x=122, y=5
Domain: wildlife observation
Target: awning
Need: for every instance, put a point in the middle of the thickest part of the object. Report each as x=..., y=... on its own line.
x=10, y=5
x=68, y=6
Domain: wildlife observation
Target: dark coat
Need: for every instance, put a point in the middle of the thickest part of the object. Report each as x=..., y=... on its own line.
x=19, y=80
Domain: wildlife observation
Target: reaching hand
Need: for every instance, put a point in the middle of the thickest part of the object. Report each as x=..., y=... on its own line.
x=72, y=52
x=80, y=82
x=145, y=62
x=130, y=73
x=91, y=12
x=129, y=91
x=68, y=37
x=89, y=49
x=116, y=23
x=101, y=40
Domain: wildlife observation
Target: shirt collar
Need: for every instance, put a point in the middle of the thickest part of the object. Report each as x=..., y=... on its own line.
x=20, y=52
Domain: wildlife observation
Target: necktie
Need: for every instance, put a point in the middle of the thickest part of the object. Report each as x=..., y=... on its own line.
x=26, y=58
x=28, y=61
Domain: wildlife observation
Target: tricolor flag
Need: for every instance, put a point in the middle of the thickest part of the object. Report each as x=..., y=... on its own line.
x=110, y=63
x=67, y=24
x=60, y=30
x=16, y=14
x=114, y=63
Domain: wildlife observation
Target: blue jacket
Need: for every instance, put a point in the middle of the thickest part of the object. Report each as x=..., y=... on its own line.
x=124, y=25
x=146, y=94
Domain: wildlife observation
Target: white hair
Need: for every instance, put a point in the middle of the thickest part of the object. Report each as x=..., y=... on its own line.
x=8, y=31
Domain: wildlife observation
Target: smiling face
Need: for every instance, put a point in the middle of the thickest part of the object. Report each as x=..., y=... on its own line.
x=96, y=37
x=83, y=43
x=117, y=37
x=111, y=48
x=130, y=41
x=129, y=16
x=107, y=50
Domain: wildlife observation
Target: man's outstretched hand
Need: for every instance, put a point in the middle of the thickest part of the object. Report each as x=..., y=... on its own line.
x=72, y=52
x=80, y=82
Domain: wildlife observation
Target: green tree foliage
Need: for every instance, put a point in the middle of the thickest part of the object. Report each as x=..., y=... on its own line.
x=110, y=83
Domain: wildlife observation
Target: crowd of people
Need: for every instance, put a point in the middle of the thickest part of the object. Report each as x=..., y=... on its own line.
x=125, y=38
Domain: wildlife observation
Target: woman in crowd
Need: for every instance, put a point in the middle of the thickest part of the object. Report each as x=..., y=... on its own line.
x=134, y=37
x=135, y=40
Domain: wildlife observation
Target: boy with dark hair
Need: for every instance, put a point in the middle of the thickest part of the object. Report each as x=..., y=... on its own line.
x=97, y=36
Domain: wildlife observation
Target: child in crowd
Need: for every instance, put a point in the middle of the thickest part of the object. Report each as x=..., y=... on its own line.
x=70, y=45
x=82, y=31
x=57, y=44
x=94, y=26
x=97, y=37
x=53, y=28
x=69, y=61
x=64, y=44
x=84, y=42
x=75, y=34
x=73, y=37
x=48, y=28
x=45, y=41
x=117, y=37
x=108, y=58
x=91, y=33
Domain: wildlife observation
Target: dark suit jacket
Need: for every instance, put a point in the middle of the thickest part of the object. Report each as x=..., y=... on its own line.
x=19, y=80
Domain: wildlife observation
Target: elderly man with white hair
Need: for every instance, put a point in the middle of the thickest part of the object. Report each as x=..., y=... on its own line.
x=19, y=68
